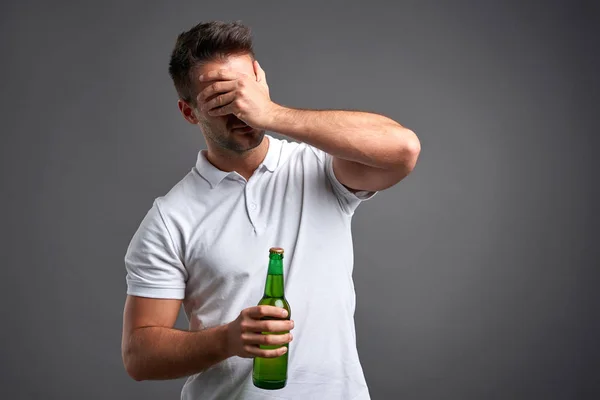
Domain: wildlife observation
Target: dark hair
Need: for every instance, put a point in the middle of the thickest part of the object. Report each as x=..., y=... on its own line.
x=207, y=41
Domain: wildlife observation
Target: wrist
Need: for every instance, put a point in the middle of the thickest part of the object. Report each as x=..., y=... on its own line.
x=276, y=114
x=225, y=345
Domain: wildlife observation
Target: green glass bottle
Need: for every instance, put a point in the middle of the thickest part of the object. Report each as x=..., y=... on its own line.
x=271, y=373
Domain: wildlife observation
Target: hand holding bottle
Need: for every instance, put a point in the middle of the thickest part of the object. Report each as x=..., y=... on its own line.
x=245, y=333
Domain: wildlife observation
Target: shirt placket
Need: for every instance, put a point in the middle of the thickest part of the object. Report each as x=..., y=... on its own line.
x=253, y=205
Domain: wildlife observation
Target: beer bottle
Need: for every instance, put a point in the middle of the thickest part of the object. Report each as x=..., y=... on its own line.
x=271, y=373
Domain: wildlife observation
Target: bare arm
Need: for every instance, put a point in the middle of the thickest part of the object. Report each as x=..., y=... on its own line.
x=371, y=152
x=153, y=350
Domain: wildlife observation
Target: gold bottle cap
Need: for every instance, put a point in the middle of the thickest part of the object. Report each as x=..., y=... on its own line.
x=276, y=250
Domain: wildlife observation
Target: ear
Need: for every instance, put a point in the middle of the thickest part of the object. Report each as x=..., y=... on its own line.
x=187, y=111
x=260, y=73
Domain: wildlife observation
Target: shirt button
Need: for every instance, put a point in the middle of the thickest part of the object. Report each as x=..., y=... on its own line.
x=253, y=206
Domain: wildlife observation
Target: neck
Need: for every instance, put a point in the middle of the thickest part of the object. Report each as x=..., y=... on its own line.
x=244, y=164
x=274, y=285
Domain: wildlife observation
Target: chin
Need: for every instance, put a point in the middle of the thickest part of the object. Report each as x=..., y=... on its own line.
x=242, y=142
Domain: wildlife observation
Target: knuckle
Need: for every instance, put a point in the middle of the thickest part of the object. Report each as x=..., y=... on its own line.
x=283, y=339
x=244, y=325
x=268, y=339
x=270, y=326
x=266, y=354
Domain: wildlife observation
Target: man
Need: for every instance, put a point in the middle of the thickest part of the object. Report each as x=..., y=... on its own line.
x=205, y=243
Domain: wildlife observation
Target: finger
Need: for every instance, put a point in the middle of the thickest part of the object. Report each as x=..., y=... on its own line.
x=273, y=326
x=268, y=326
x=219, y=101
x=259, y=312
x=279, y=326
x=268, y=340
x=216, y=88
x=225, y=110
x=219, y=75
x=264, y=353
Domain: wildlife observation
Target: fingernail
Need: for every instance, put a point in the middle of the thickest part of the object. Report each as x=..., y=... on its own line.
x=201, y=77
x=284, y=350
x=292, y=323
x=284, y=313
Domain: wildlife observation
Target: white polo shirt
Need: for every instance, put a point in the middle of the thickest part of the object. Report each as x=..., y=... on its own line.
x=207, y=242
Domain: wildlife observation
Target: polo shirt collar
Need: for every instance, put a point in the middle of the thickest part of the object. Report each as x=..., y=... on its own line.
x=271, y=160
x=214, y=175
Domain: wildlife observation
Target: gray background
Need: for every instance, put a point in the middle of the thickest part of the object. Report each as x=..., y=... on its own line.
x=476, y=277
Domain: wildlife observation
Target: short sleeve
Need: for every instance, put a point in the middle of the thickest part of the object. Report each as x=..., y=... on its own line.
x=348, y=200
x=154, y=268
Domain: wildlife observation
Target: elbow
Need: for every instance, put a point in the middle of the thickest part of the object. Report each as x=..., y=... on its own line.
x=132, y=365
x=413, y=147
x=134, y=371
x=409, y=151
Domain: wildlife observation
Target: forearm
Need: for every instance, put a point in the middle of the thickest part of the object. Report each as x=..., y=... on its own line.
x=157, y=353
x=362, y=137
